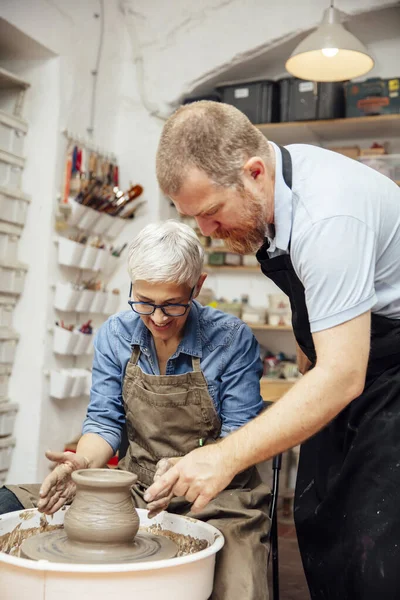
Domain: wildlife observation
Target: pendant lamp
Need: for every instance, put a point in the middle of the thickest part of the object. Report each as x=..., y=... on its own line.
x=330, y=53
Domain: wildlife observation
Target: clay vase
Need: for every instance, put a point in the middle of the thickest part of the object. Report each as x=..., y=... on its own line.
x=103, y=510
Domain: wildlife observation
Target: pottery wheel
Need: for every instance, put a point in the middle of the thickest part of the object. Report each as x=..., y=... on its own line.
x=55, y=546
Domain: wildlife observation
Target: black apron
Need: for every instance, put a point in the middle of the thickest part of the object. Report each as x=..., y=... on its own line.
x=347, y=500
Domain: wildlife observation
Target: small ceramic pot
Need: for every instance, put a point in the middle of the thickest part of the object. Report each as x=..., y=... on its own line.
x=103, y=510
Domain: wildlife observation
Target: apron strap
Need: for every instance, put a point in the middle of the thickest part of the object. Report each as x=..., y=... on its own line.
x=135, y=355
x=287, y=171
x=196, y=364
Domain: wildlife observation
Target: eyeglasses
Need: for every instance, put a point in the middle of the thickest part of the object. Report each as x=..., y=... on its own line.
x=169, y=310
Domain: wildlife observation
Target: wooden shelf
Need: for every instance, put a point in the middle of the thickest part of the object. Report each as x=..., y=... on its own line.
x=273, y=389
x=317, y=132
x=264, y=327
x=241, y=268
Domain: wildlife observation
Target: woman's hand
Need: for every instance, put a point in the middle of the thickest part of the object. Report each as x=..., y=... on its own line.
x=161, y=504
x=58, y=487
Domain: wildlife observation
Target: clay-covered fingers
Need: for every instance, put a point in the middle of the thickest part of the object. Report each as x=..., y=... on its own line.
x=158, y=506
x=162, y=486
x=54, y=480
x=162, y=467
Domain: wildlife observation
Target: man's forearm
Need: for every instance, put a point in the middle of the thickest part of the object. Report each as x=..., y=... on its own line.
x=305, y=409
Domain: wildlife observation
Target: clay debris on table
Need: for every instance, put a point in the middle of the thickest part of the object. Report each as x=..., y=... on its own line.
x=10, y=543
x=186, y=543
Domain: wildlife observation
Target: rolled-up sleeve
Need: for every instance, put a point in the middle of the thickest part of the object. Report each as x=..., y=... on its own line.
x=240, y=382
x=105, y=414
x=335, y=261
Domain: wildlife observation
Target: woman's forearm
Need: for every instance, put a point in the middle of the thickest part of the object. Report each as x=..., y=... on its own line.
x=95, y=449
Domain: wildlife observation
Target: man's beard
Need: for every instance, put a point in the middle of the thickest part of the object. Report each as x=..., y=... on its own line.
x=248, y=238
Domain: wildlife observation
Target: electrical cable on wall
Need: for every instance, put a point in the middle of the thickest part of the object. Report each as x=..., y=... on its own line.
x=95, y=72
x=129, y=13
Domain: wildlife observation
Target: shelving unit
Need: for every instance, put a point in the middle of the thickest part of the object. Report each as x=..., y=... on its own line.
x=318, y=132
x=264, y=327
x=215, y=269
x=273, y=389
x=13, y=209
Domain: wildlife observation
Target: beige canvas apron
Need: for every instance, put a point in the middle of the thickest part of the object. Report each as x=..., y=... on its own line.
x=168, y=416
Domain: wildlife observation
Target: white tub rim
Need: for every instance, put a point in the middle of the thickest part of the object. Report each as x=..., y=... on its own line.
x=47, y=566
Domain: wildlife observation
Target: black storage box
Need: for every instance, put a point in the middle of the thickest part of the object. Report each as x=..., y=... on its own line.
x=285, y=89
x=374, y=96
x=303, y=103
x=307, y=100
x=212, y=97
x=331, y=102
x=258, y=100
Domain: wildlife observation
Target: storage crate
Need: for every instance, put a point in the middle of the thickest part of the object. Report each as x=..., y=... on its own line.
x=9, y=238
x=8, y=346
x=308, y=100
x=11, y=167
x=12, y=92
x=69, y=252
x=68, y=383
x=374, y=96
x=257, y=99
x=12, y=133
x=8, y=413
x=7, y=305
x=12, y=277
x=88, y=257
x=13, y=205
x=6, y=448
x=113, y=303
x=85, y=300
x=99, y=302
x=66, y=297
x=5, y=372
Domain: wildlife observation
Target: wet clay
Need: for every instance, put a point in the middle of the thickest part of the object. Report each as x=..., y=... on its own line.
x=186, y=543
x=101, y=526
x=102, y=510
x=10, y=543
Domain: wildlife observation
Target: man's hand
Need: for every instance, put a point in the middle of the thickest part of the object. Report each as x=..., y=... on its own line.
x=161, y=504
x=58, y=487
x=198, y=476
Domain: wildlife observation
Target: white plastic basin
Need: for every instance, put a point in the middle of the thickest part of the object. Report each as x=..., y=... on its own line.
x=173, y=579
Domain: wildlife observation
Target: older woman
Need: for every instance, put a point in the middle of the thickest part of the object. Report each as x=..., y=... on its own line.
x=178, y=375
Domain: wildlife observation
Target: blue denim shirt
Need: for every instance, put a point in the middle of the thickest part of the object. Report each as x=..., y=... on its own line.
x=229, y=358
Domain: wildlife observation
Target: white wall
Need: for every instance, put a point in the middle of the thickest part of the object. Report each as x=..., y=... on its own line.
x=59, y=98
x=184, y=46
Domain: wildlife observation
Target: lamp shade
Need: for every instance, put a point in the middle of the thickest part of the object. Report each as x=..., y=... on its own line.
x=330, y=53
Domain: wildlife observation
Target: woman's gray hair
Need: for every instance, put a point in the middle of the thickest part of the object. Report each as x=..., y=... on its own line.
x=168, y=252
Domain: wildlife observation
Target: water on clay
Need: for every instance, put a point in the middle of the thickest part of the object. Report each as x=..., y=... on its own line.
x=51, y=540
x=55, y=546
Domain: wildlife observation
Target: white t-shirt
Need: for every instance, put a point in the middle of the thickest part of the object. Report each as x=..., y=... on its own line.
x=342, y=224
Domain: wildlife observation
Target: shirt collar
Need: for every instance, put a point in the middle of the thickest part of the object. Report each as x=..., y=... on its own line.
x=190, y=344
x=283, y=208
